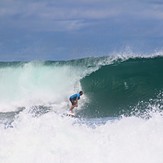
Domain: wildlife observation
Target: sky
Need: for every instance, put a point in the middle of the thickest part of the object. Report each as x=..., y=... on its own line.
x=71, y=29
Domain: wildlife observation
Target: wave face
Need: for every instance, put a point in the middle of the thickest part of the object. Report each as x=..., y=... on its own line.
x=112, y=86
x=119, y=87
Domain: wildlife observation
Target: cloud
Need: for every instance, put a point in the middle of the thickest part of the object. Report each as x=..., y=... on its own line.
x=61, y=26
x=72, y=15
x=158, y=2
x=56, y=16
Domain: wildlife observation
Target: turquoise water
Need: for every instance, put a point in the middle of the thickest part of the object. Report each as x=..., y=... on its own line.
x=117, y=88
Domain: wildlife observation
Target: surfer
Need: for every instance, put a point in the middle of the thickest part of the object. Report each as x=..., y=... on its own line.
x=74, y=100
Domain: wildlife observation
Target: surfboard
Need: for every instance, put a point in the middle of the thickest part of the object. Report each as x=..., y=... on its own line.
x=70, y=114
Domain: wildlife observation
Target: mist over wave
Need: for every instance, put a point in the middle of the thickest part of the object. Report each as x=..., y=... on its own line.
x=37, y=83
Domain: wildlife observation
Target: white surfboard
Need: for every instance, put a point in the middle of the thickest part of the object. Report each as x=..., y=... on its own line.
x=70, y=114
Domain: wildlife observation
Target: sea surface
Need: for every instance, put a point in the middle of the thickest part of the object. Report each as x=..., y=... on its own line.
x=119, y=118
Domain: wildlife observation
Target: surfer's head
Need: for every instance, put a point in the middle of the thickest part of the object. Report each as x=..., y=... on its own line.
x=81, y=93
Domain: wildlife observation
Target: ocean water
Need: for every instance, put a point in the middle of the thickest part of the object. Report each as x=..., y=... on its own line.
x=119, y=118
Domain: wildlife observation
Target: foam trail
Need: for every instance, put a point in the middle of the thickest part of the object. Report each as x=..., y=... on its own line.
x=51, y=138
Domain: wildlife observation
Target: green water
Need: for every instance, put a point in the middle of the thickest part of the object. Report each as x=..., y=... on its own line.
x=121, y=86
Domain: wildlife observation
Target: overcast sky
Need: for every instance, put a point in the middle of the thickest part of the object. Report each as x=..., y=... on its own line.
x=68, y=29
